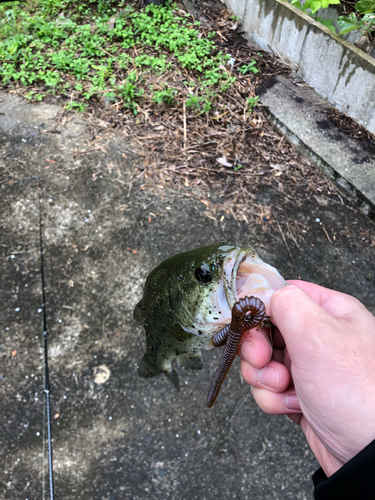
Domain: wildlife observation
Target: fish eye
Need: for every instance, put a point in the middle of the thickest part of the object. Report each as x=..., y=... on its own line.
x=203, y=274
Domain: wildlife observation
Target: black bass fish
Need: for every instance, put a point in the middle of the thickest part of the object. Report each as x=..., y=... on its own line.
x=189, y=298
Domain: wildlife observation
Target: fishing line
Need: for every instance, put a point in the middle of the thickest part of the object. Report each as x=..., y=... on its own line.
x=46, y=399
x=213, y=446
x=270, y=340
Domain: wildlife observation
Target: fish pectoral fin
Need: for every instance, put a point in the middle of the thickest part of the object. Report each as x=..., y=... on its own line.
x=148, y=369
x=191, y=361
x=172, y=376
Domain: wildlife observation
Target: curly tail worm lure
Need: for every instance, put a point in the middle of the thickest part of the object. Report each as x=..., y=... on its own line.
x=247, y=313
x=220, y=338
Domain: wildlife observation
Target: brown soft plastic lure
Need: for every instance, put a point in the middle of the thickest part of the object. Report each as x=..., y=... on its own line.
x=247, y=313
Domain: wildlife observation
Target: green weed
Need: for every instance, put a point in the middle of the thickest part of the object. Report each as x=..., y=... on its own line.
x=252, y=102
x=201, y=104
x=130, y=93
x=165, y=96
x=363, y=19
x=76, y=106
x=246, y=68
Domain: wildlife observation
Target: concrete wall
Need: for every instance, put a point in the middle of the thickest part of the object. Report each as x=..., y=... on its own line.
x=341, y=73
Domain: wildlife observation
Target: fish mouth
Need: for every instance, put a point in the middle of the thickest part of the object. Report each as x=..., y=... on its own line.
x=247, y=275
x=244, y=275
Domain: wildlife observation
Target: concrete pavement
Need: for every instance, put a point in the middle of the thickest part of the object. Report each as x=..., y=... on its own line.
x=115, y=435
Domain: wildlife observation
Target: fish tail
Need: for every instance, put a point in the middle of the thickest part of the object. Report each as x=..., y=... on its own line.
x=148, y=368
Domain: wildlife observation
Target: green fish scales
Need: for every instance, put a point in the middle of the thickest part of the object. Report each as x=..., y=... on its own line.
x=188, y=299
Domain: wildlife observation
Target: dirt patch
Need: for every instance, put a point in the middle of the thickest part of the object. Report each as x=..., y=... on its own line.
x=231, y=161
x=349, y=126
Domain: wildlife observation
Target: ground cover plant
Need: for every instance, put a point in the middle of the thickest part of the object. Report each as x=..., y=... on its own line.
x=356, y=16
x=113, y=51
x=359, y=16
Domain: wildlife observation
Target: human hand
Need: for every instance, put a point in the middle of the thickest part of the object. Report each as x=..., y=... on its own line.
x=322, y=371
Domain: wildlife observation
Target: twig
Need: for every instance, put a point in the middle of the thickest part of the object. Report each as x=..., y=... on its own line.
x=286, y=245
x=328, y=238
x=185, y=131
x=325, y=196
x=293, y=238
x=85, y=151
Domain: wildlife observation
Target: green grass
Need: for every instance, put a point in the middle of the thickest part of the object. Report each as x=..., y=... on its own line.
x=108, y=49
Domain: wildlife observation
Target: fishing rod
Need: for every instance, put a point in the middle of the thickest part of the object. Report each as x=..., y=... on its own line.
x=47, y=412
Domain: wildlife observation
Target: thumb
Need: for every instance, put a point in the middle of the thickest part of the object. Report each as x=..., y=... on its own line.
x=303, y=323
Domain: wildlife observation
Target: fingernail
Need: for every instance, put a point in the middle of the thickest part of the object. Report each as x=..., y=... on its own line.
x=270, y=377
x=291, y=402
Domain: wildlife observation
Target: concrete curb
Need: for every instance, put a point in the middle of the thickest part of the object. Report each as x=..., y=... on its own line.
x=345, y=187
x=298, y=113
